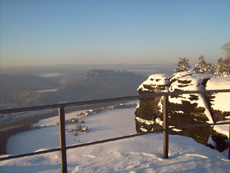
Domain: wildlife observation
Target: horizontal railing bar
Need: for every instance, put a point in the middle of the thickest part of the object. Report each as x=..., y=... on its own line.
x=108, y=100
x=84, y=103
x=29, y=154
x=196, y=91
x=80, y=103
x=106, y=140
x=139, y=134
x=112, y=139
x=198, y=125
x=78, y=145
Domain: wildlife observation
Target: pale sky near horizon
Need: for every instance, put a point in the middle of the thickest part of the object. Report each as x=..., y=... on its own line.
x=58, y=32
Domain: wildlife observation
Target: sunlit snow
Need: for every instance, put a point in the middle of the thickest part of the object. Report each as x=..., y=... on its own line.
x=221, y=99
x=138, y=154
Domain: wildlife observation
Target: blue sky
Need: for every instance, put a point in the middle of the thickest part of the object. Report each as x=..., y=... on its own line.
x=54, y=32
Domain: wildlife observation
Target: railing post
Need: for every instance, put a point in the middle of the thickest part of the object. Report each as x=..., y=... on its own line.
x=62, y=138
x=165, y=127
x=229, y=143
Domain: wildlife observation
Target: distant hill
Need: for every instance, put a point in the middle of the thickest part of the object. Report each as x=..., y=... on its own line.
x=12, y=83
x=95, y=84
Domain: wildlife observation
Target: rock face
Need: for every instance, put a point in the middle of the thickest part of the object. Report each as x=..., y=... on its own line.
x=186, y=109
x=148, y=113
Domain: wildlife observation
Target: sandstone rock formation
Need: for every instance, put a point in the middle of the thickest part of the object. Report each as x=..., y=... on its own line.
x=185, y=109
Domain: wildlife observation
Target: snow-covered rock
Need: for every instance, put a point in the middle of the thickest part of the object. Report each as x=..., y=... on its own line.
x=185, y=109
x=154, y=82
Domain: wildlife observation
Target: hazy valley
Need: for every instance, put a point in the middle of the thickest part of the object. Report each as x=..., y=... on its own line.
x=40, y=128
x=24, y=87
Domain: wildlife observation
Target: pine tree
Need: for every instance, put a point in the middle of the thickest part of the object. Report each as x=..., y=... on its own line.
x=202, y=66
x=183, y=65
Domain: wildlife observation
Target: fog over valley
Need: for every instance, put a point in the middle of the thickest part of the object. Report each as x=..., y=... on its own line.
x=32, y=86
x=21, y=82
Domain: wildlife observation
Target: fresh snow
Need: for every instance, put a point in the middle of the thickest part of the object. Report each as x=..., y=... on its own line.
x=195, y=84
x=224, y=129
x=220, y=99
x=104, y=125
x=154, y=81
x=139, y=154
x=149, y=122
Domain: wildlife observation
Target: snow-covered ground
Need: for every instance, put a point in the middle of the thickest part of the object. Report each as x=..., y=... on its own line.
x=106, y=124
x=138, y=154
x=220, y=100
x=224, y=129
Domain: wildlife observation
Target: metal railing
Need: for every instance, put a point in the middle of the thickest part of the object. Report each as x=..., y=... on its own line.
x=61, y=108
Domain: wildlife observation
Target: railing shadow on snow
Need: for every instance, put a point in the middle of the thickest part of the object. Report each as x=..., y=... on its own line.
x=61, y=108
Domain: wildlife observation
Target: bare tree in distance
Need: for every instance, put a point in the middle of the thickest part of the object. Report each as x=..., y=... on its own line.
x=226, y=49
x=222, y=68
